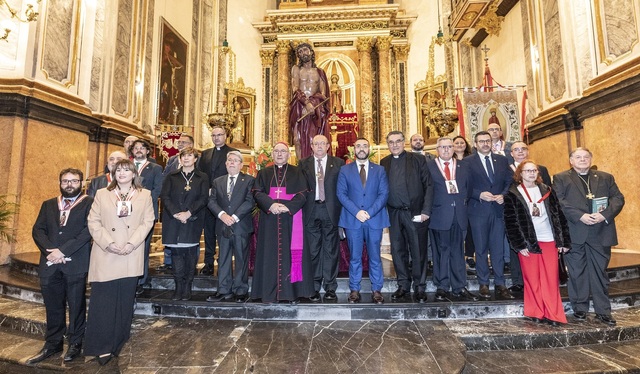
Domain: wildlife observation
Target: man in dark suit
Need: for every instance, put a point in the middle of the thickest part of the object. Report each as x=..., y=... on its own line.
x=103, y=181
x=231, y=201
x=212, y=163
x=450, y=194
x=151, y=175
x=321, y=213
x=591, y=201
x=424, y=236
x=498, y=144
x=490, y=180
x=410, y=198
x=417, y=146
x=363, y=190
x=63, y=238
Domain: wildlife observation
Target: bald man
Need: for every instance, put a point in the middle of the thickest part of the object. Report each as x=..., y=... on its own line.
x=103, y=181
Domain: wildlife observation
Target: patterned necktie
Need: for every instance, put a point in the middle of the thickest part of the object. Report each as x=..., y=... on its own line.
x=363, y=175
x=232, y=183
x=447, y=173
x=320, y=181
x=65, y=209
x=487, y=162
x=138, y=166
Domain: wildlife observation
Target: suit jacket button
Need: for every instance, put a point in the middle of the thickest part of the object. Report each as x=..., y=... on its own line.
x=113, y=229
x=59, y=232
x=127, y=226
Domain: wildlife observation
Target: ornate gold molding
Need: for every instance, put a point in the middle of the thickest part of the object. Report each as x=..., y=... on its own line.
x=491, y=21
x=384, y=43
x=267, y=57
x=364, y=43
x=283, y=46
x=333, y=27
x=401, y=51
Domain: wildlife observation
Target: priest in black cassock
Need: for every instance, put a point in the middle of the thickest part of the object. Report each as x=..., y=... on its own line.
x=283, y=269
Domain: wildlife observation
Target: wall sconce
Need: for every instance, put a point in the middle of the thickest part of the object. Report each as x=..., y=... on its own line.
x=30, y=15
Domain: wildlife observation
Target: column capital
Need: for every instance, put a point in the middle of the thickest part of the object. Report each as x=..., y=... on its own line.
x=401, y=51
x=384, y=43
x=364, y=43
x=283, y=46
x=267, y=57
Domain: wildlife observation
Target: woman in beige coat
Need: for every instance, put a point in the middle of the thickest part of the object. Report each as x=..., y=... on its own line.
x=120, y=219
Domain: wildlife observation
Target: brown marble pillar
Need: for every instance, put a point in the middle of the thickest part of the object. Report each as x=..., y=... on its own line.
x=386, y=123
x=268, y=130
x=365, y=115
x=281, y=132
x=401, y=102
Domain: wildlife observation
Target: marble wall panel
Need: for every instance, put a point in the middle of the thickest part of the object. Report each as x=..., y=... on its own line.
x=466, y=66
x=95, y=94
x=122, y=58
x=58, y=39
x=555, y=74
x=147, y=124
x=532, y=99
x=620, y=26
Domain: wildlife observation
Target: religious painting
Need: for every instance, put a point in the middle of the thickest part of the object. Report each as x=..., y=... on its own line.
x=499, y=107
x=431, y=104
x=172, y=83
x=241, y=110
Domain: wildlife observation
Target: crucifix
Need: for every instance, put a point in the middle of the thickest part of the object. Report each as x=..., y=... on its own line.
x=486, y=50
x=278, y=191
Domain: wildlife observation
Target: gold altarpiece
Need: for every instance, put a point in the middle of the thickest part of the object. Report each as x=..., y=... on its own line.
x=364, y=44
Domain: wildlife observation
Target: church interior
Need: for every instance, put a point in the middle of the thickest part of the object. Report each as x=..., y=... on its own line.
x=79, y=76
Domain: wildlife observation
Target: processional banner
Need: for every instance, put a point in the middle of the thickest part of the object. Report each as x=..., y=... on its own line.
x=168, y=146
x=480, y=109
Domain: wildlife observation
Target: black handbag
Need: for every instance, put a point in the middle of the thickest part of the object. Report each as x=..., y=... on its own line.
x=563, y=275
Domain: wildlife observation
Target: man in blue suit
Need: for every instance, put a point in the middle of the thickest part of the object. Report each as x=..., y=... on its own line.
x=450, y=194
x=490, y=180
x=363, y=190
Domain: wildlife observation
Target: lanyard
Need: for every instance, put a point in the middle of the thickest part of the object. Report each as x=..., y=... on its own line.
x=452, y=168
x=543, y=198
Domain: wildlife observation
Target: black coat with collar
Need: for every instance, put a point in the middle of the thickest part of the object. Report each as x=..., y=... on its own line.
x=212, y=162
x=176, y=199
x=519, y=224
x=241, y=203
x=418, y=181
x=330, y=186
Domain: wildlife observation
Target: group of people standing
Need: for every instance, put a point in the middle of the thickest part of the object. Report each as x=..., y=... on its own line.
x=429, y=203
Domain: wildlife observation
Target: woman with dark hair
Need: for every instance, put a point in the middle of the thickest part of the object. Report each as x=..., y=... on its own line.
x=120, y=219
x=185, y=193
x=461, y=148
x=537, y=229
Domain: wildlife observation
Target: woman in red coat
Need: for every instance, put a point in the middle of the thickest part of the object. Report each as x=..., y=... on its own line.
x=537, y=229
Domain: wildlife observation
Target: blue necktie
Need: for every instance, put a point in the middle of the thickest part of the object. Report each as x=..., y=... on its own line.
x=487, y=162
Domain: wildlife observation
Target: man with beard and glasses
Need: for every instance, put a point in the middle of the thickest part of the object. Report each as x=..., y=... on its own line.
x=309, y=107
x=63, y=238
x=363, y=190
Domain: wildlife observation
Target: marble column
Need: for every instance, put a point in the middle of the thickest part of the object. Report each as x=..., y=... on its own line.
x=386, y=122
x=402, y=100
x=267, y=135
x=365, y=117
x=282, y=102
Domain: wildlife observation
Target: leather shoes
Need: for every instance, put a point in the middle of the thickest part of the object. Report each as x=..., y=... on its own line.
x=139, y=290
x=502, y=293
x=484, y=292
x=241, y=298
x=441, y=295
x=315, y=297
x=354, y=297
x=330, y=295
x=377, y=298
x=605, y=318
x=164, y=267
x=72, y=352
x=535, y=319
x=219, y=297
x=551, y=322
x=580, y=315
x=399, y=294
x=421, y=296
x=103, y=360
x=207, y=270
x=44, y=354
x=465, y=295
x=516, y=288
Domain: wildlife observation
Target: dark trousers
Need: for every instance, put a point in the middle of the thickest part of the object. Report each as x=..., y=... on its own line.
x=424, y=240
x=233, y=278
x=110, y=315
x=449, y=269
x=58, y=290
x=209, y=237
x=147, y=250
x=488, y=237
x=184, y=260
x=404, y=243
x=587, y=264
x=516, y=269
x=469, y=247
x=321, y=236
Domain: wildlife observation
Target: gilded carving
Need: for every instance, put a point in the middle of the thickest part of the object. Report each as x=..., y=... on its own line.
x=364, y=44
x=267, y=57
x=341, y=43
x=401, y=51
x=384, y=43
x=283, y=46
x=399, y=33
x=491, y=21
x=310, y=28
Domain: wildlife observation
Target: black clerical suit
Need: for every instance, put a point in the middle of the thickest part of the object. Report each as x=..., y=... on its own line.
x=64, y=283
x=321, y=221
x=212, y=163
x=410, y=195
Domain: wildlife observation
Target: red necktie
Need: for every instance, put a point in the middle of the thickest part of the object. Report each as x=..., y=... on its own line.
x=447, y=173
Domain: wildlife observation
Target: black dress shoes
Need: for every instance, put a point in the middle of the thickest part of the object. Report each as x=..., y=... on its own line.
x=354, y=297
x=421, y=296
x=44, y=354
x=315, y=297
x=516, y=288
x=535, y=319
x=241, y=298
x=219, y=297
x=164, y=267
x=580, y=315
x=400, y=294
x=330, y=295
x=72, y=352
x=103, y=360
x=551, y=322
x=139, y=290
x=484, y=292
x=376, y=298
x=207, y=270
x=441, y=295
x=605, y=318
x=502, y=293
x=465, y=295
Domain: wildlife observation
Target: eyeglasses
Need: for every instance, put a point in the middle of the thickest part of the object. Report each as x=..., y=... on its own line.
x=520, y=149
x=488, y=141
x=70, y=181
x=530, y=171
x=445, y=146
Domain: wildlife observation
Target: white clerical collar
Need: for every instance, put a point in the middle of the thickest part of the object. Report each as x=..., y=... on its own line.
x=420, y=152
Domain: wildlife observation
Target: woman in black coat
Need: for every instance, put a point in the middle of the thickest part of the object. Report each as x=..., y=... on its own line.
x=537, y=229
x=185, y=193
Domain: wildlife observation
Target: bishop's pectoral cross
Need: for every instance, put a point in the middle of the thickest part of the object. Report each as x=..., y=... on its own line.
x=590, y=196
x=278, y=191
